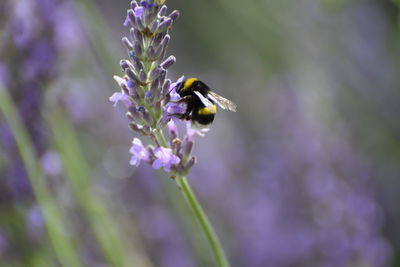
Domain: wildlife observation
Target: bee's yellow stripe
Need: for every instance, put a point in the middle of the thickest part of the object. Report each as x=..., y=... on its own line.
x=189, y=82
x=210, y=110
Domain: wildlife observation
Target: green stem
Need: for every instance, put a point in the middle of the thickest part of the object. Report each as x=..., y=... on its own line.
x=198, y=212
x=160, y=138
x=201, y=217
x=61, y=242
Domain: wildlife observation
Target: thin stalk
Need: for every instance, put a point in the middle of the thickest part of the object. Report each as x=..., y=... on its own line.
x=198, y=212
x=63, y=246
x=202, y=219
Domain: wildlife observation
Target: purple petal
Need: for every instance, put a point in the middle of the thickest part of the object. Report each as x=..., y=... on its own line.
x=157, y=164
x=126, y=22
x=167, y=168
x=172, y=127
x=192, y=132
x=135, y=150
x=118, y=96
x=165, y=158
x=175, y=159
x=138, y=150
x=135, y=161
x=174, y=108
x=119, y=80
x=160, y=155
x=138, y=11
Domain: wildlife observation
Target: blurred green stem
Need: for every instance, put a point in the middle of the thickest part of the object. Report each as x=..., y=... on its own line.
x=78, y=173
x=104, y=45
x=62, y=244
x=198, y=211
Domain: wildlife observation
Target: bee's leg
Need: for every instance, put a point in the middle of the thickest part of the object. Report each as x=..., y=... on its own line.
x=180, y=116
x=183, y=99
x=186, y=115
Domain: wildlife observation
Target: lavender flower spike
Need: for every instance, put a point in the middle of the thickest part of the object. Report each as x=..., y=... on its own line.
x=145, y=90
x=151, y=101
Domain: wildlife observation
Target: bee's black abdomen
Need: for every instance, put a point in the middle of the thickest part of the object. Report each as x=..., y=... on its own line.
x=203, y=119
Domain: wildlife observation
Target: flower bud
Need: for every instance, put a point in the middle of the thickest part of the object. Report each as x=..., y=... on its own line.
x=138, y=49
x=162, y=11
x=136, y=35
x=149, y=97
x=142, y=76
x=157, y=53
x=157, y=90
x=124, y=64
x=165, y=40
x=188, y=147
x=130, y=117
x=166, y=87
x=144, y=115
x=150, y=52
x=155, y=85
x=161, y=48
x=164, y=25
x=153, y=26
x=136, y=127
x=162, y=76
x=133, y=91
x=139, y=23
x=190, y=163
x=127, y=43
x=146, y=129
x=149, y=16
x=174, y=15
x=131, y=17
x=137, y=65
x=135, y=114
x=125, y=89
x=134, y=4
x=155, y=73
x=129, y=72
x=156, y=40
x=166, y=64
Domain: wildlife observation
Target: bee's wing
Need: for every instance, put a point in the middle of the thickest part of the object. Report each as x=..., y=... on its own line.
x=222, y=102
x=203, y=99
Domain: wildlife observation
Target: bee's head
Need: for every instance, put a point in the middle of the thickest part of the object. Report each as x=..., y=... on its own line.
x=179, y=87
x=186, y=86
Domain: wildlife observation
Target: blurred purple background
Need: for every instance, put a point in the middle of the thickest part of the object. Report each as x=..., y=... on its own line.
x=305, y=173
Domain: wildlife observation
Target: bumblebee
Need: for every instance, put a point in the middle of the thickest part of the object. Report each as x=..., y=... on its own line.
x=200, y=102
